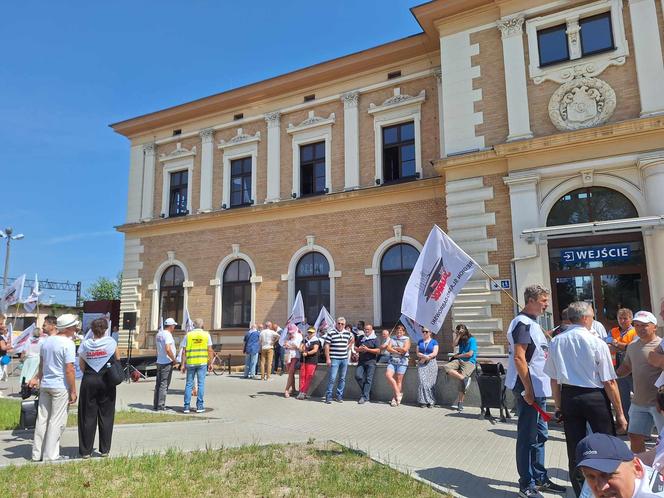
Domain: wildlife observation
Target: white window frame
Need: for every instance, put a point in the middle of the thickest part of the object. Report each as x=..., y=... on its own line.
x=311, y=130
x=244, y=147
x=592, y=64
x=173, y=166
x=395, y=110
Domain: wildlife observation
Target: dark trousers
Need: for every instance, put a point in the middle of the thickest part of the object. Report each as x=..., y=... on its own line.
x=364, y=374
x=581, y=406
x=96, y=407
x=164, y=374
x=531, y=434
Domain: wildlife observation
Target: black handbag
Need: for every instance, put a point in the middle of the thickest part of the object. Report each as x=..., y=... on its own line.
x=114, y=375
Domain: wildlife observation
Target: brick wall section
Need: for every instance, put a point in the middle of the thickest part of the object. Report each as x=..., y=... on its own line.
x=187, y=143
x=296, y=118
x=621, y=78
x=261, y=167
x=429, y=126
x=493, y=105
x=502, y=231
x=351, y=237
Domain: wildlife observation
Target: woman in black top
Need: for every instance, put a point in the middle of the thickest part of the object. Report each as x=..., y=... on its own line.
x=308, y=361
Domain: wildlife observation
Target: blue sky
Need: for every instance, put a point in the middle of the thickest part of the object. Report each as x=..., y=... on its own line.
x=69, y=69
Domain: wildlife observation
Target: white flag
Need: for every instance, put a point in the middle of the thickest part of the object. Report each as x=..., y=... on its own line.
x=439, y=275
x=23, y=339
x=188, y=324
x=324, y=321
x=31, y=301
x=12, y=294
x=296, y=317
x=413, y=329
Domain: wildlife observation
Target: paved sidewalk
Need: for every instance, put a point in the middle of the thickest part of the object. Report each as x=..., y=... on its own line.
x=470, y=457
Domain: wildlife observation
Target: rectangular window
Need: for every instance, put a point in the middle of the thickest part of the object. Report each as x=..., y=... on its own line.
x=399, y=152
x=312, y=169
x=552, y=44
x=177, y=205
x=241, y=182
x=596, y=34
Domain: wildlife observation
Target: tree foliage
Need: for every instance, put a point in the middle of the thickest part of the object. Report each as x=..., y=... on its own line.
x=104, y=289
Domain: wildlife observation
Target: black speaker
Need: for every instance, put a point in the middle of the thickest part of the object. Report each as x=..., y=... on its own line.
x=492, y=369
x=28, y=418
x=129, y=320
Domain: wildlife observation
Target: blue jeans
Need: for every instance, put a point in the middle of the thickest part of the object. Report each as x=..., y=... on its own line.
x=250, y=362
x=199, y=371
x=531, y=434
x=364, y=374
x=337, y=367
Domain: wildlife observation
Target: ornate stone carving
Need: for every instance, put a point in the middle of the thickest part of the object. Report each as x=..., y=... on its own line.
x=240, y=138
x=397, y=99
x=312, y=120
x=350, y=99
x=438, y=73
x=582, y=103
x=207, y=135
x=589, y=69
x=149, y=148
x=178, y=153
x=272, y=118
x=511, y=26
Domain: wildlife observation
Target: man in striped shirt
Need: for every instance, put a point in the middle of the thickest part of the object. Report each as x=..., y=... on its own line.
x=337, y=343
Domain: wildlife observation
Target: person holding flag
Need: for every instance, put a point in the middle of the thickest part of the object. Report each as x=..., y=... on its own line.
x=5, y=351
x=525, y=376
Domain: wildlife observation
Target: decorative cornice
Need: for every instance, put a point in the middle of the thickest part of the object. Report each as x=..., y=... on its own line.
x=207, y=135
x=398, y=100
x=350, y=99
x=273, y=119
x=438, y=73
x=179, y=153
x=239, y=139
x=511, y=26
x=312, y=121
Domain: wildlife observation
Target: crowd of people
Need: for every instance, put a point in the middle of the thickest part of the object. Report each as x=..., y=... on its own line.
x=342, y=345
x=581, y=367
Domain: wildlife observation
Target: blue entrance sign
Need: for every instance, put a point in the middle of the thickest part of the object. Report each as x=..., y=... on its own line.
x=596, y=253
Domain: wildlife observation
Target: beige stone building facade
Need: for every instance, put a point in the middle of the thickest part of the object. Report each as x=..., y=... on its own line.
x=531, y=131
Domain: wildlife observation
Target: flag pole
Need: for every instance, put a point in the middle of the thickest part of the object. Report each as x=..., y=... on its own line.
x=498, y=284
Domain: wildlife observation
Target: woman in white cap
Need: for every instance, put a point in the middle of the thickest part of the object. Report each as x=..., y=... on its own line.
x=96, y=406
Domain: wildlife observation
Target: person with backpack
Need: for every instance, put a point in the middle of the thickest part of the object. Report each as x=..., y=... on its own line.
x=96, y=404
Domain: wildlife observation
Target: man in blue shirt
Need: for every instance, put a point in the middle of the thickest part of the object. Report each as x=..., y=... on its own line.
x=462, y=364
x=252, y=346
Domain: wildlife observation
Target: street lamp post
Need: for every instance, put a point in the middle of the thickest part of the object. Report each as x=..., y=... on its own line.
x=8, y=234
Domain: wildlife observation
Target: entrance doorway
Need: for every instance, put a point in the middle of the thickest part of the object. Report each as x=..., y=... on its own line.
x=608, y=271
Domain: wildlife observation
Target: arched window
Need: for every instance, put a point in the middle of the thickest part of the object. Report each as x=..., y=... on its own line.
x=171, y=294
x=312, y=278
x=395, y=269
x=590, y=204
x=236, y=295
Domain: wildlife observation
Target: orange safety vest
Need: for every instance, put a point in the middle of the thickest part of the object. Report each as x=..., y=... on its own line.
x=625, y=338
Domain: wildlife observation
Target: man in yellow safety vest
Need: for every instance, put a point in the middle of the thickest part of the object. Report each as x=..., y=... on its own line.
x=196, y=361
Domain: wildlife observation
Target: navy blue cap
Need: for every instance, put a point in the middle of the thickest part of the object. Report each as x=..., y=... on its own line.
x=602, y=452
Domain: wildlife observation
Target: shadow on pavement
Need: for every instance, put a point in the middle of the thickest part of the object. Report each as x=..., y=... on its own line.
x=511, y=433
x=467, y=484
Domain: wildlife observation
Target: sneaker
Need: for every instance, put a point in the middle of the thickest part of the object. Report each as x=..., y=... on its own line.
x=361, y=401
x=328, y=401
x=454, y=406
x=301, y=396
x=200, y=410
x=393, y=402
x=338, y=400
x=104, y=455
x=530, y=493
x=85, y=457
x=460, y=407
x=549, y=486
x=186, y=410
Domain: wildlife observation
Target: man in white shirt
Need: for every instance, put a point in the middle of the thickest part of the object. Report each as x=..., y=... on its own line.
x=57, y=388
x=268, y=338
x=583, y=382
x=165, y=359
